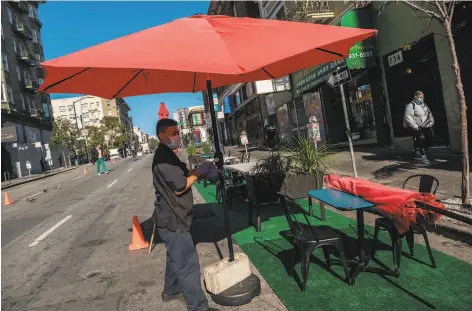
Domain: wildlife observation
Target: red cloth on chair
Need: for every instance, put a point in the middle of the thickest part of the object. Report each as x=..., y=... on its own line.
x=395, y=203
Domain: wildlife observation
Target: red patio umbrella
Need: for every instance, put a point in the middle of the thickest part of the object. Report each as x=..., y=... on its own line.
x=197, y=53
x=182, y=55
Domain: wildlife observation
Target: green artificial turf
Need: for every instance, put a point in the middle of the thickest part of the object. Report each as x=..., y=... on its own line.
x=419, y=287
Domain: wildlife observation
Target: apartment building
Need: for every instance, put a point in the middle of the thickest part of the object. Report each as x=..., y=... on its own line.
x=26, y=114
x=86, y=110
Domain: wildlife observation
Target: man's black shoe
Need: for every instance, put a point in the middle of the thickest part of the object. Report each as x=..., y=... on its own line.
x=167, y=298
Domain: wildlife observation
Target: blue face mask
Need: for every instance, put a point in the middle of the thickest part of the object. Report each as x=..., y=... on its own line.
x=175, y=142
x=420, y=100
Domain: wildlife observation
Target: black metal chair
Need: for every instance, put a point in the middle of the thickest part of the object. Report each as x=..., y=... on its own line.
x=232, y=189
x=307, y=238
x=427, y=184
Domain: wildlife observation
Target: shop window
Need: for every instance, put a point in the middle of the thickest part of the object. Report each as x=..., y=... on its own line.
x=237, y=98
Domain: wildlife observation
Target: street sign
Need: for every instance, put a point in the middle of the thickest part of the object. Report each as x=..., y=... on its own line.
x=339, y=77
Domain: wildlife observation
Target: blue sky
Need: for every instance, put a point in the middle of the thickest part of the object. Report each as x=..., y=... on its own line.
x=72, y=26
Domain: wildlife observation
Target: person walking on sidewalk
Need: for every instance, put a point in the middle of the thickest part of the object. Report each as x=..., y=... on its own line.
x=173, y=210
x=419, y=121
x=96, y=156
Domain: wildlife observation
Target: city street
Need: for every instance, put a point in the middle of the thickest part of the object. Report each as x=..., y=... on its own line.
x=68, y=250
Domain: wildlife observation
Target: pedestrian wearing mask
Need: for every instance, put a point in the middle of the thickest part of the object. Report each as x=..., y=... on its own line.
x=419, y=121
x=173, y=209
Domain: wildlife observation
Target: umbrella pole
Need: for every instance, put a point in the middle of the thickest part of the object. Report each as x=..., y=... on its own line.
x=219, y=161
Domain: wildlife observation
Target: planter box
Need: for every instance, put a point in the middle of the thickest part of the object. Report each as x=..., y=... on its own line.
x=296, y=186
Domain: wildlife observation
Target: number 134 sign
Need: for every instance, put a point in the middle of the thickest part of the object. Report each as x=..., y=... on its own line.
x=395, y=59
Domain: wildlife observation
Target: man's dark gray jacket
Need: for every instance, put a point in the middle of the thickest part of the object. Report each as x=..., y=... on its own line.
x=170, y=176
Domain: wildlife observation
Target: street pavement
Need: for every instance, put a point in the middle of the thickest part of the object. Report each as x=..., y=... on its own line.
x=68, y=248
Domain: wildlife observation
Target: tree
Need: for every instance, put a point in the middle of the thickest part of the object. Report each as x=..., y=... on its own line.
x=443, y=11
x=64, y=136
x=95, y=136
x=153, y=143
x=114, y=131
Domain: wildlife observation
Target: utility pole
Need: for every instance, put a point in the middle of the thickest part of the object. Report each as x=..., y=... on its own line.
x=77, y=124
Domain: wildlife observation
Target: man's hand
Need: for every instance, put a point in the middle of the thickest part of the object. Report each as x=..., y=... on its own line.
x=203, y=169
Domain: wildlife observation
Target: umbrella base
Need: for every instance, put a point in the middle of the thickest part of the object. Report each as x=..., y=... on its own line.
x=239, y=294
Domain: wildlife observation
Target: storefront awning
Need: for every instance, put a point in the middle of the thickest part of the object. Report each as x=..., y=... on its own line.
x=361, y=55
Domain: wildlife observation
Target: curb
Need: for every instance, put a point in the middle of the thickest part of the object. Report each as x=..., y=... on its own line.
x=38, y=178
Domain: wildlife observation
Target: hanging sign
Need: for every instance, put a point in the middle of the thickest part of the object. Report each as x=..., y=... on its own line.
x=395, y=59
x=243, y=139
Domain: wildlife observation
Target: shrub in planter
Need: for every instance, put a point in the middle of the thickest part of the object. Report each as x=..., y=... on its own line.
x=206, y=147
x=307, y=167
x=267, y=179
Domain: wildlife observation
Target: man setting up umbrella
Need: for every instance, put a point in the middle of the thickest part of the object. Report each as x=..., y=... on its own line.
x=173, y=207
x=193, y=54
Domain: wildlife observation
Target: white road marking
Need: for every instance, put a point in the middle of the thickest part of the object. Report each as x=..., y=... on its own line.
x=112, y=183
x=130, y=169
x=31, y=196
x=45, y=234
x=78, y=177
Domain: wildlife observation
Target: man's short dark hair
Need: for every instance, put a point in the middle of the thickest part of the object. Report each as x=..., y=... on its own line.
x=163, y=124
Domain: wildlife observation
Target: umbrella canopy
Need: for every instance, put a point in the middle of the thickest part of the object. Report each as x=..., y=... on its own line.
x=182, y=55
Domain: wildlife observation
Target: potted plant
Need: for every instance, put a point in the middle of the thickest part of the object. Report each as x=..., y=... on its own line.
x=266, y=179
x=206, y=147
x=306, y=168
x=192, y=153
x=263, y=183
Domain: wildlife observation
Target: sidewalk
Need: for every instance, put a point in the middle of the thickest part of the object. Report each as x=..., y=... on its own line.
x=387, y=166
x=391, y=167
x=34, y=177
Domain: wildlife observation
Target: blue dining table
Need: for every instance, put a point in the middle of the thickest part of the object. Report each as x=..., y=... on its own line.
x=347, y=202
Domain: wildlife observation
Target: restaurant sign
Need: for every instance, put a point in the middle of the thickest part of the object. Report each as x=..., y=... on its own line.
x=319, y=75
x=9, y=134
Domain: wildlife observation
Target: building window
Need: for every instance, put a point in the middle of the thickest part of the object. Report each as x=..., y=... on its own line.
x=25, y=76
x=10, y=95
x=28, y=103
x=10, y=16
x=108, y=103
x=18, y=73
x=13, y=44
x=72, y=117
x=5, y=62
x=22, y=101
x=34, y=106
x=62, y=108
x=109, y=112
x=35, y=35
x=71, y=107
x=30, y=11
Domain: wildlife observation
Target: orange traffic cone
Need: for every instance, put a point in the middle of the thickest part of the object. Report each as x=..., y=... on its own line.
x=85, y=171
x=8, y=201
x=137, y=238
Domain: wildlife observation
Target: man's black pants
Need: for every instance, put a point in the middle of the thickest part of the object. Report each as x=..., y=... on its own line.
x=183, y=269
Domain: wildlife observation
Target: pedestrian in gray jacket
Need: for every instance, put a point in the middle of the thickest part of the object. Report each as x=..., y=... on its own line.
x=419, y=121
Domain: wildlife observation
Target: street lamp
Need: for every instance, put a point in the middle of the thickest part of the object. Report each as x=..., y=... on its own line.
x=81, y=121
